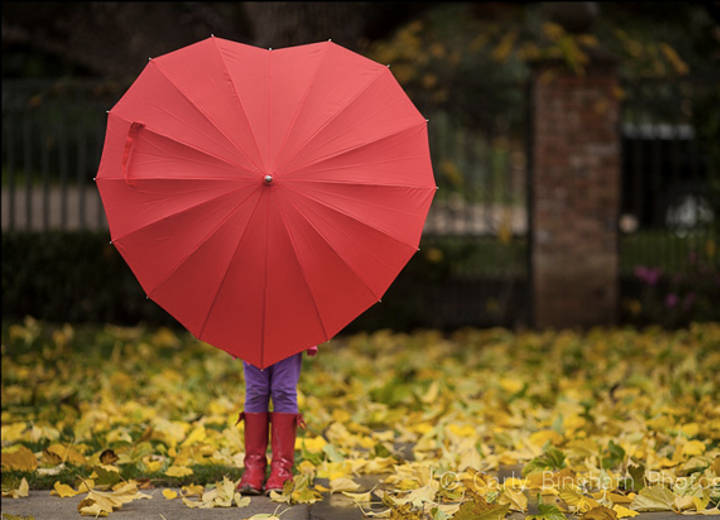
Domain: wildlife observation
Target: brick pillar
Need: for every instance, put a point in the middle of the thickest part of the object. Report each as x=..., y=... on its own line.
x=574, y=195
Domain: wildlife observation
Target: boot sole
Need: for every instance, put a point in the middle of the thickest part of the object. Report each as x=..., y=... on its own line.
x=246, y=490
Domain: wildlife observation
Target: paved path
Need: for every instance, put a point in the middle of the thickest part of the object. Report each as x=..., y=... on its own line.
x=43, y=506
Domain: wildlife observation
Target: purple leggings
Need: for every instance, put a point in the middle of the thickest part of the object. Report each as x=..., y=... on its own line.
x=278, y=381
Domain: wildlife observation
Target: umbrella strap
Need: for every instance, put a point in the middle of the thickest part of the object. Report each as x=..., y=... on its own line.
x=135, y=127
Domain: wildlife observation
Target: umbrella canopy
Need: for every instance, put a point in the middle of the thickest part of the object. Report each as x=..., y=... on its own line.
x=265, y=198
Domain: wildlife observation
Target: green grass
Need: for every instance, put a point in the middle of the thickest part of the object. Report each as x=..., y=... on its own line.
x=667, y=250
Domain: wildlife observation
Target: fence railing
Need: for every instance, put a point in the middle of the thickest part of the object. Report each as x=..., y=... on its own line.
x=52, y=138
x=53, y=135
x=670, y=204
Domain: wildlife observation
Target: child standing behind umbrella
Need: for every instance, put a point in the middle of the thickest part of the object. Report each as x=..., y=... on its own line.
x=279, y=382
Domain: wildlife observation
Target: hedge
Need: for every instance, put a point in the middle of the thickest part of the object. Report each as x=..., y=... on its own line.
x=77, y=276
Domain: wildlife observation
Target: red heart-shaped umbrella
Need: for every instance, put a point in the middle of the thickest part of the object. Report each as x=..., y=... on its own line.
x=265, y=198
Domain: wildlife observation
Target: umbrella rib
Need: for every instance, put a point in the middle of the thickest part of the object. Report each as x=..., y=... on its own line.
x=161, y=219
x=304, y=275
x=353, y=148
x=293, y=121
x=205, y=239
x=337, y=114
x=156, y=179
x=336, y=210
x=174, y=139
x=207, y=118
x=267, y=219
x=234, y=89
x=350, y=267
x=351, y=183
x=265, y=284
x=367, y=163
x=227, y=269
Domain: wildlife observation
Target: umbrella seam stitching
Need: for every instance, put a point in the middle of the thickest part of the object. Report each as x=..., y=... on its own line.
x=234, y=89
x=291, y=126
x=353, y=148
x=156, y=221
x=324, y=204
x=206, y=238
x=222, y=281
x=337, y=114
x=207, y=118
x=265, y=284
x=374, y=185
x=304, y=275
x=361, y=164
x=342, y=259
x=175, y=140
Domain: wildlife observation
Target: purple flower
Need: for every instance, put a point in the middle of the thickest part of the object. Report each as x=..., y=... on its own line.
x=671, y=300
x=649, y=275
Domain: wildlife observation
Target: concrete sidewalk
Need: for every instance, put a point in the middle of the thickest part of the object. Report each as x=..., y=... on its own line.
x=43, y=506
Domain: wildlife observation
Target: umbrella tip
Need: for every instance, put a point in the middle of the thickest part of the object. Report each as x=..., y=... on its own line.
x=269, y=48
x=329, y=39
x=212, y=35
x=94, y=178
x=427, y=120
x=388, y=65
x=149, y=58
x=437, y=187
x=107, y=111
x=379, y=300
x=110, y=242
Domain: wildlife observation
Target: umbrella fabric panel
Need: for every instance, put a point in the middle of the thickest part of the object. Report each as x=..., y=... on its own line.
x=158, y=249
x=401, y=159
x=396, y=211
x=199, y=73
x=293, y=71
x=153, y=100
x=380, y=110
x=375, y=257
x=292, y=317
x=191, y=292
x=158, y=157
x=341, y=77
x=328, y=274
x=257, y=274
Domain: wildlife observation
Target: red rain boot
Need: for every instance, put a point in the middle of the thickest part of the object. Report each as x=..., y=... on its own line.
x=283, y=448
x=256, y=440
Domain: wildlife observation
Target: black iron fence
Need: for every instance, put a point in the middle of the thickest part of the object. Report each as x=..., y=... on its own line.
x=671, y=174
x=52, y=137
x=53, y=134
x=473, y=257
x=475, y=239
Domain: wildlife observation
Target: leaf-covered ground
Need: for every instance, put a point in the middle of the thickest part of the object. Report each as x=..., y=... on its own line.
x=601, y=425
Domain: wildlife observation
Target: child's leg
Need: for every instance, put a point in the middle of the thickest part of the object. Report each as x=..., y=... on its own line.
x=257, y=388
x=283, y=384
x=257, y=392
x=285, y=417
